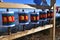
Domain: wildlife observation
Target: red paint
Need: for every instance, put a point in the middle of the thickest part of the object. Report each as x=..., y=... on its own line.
x=36, y=17
x=4, y=19
x=8, y=19
x=26, y=17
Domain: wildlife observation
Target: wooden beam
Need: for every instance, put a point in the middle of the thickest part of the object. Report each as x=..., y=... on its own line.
x=52, y=2
x=24, y=33
x=15, y=5
x=54, y=21
x=39, y=6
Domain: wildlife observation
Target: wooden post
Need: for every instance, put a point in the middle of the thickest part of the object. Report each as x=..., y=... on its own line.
x=51, y=34
x=54, y=8
x=52, y=31
x=54, y=21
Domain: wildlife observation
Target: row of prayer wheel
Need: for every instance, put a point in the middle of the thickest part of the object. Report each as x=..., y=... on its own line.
x=8, y=19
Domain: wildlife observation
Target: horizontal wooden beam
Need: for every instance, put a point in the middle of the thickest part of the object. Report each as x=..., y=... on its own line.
x=39, y=6
x=16, y=5
x=24, y=33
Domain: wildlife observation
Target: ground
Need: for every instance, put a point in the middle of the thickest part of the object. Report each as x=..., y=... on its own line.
x=43, y=35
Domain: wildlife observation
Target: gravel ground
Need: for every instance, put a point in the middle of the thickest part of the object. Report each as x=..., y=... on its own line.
x=57, y=33
x=43, y=35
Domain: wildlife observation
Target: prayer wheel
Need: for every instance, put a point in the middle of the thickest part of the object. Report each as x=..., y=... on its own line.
x=42, y=15
x=50, y=15
x=34, y=18
x=8, y=19
x=42, y=18
x=23, y=18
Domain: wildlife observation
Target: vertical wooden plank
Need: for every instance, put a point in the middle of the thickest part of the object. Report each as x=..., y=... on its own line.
x=52, y=4
x=54, y=21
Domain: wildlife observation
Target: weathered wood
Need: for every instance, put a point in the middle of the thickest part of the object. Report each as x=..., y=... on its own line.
x=51, y=34
x=16, y=5
x=52, y=2
x=24, y=33
x=54, y=22
x=40, y=6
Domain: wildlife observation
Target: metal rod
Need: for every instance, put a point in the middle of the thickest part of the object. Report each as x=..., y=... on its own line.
x=23, y=27
x=9, y=29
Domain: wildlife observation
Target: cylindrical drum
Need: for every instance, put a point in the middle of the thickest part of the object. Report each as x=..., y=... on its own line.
x=23, y=18
x=7, y=19
x=50, y=15
x=34, y=18
x=42, y=17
